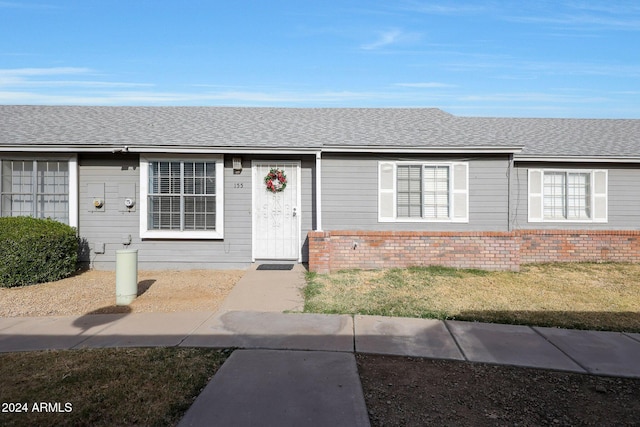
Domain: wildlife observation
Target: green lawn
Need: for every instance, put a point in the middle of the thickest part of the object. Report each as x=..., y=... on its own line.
x=577, y=295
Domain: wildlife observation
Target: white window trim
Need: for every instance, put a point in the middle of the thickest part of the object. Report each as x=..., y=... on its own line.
x=592, y=196
x=450, y=219
x=72, y=161
x=145, y=233
x=74, y=203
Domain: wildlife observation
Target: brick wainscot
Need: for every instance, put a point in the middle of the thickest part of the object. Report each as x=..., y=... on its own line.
x=342, y=249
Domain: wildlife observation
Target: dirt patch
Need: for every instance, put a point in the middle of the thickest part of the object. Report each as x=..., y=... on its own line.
x=404, y=391
x=94, y=292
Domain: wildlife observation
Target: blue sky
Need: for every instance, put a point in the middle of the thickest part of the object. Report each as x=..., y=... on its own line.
x=472, y=58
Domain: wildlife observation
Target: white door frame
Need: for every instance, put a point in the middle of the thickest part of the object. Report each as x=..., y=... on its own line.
x=256, y=188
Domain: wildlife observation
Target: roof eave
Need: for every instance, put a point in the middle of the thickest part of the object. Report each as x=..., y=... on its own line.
x=578, y=159
x=125, y=148
x=420, y=150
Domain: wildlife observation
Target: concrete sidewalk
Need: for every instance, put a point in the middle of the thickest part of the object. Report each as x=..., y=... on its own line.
x=267, y=290
x=298, y=368
x=282, y=388
x=592, y=352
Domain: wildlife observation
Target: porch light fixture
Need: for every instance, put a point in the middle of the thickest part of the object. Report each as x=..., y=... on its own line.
x=124, y=149
x=237, y=164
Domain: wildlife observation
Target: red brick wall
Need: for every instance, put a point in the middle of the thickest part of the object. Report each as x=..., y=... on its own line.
x=336, y=250
x=579, y=246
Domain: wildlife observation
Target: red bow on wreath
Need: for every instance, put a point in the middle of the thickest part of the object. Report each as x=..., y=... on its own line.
x=275, y=180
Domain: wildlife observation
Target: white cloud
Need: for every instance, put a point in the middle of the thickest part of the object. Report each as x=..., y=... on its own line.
x=584, y=16
x=533, y=97
x=390, y=37
x=292, y=97
x=426, y=85
x=22, y=76
x=442, y=8
x=507, y=67
x=573, y=14
x=33, y=77
x=588, y=22
x=183, y=98
x=81, y=84
x=25, y=72
x=386, y=38
x=524, y=104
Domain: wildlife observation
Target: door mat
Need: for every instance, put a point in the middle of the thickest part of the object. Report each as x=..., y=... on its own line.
x=275, y=267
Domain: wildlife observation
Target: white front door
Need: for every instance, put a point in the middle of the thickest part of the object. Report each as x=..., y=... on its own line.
x=276, y=215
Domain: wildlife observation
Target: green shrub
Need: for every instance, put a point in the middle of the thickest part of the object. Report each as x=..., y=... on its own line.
x=35, y=251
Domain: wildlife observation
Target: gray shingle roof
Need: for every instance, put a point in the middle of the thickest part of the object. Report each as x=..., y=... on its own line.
x=311, y=128
x=577, y=137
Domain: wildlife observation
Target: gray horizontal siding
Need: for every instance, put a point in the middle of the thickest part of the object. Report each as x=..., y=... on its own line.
x=109, y=225
x=350, y=195
x=623, y=197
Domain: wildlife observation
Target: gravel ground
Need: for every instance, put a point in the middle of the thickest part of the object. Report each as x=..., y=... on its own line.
x=94, y=292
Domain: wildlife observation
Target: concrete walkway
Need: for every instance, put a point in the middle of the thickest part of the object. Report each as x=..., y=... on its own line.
x=299, y=369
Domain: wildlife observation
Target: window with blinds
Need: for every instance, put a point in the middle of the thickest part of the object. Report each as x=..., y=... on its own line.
x=436, y=192
x=37, y=188
x=567, y=195
x=182, y=195
x=557, y=195
x=423, y=191
x=578, y=196
x=409, y=192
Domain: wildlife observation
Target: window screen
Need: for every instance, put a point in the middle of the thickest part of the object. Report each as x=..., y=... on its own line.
x=567, y=195
x=436, y=191
x=554, y=194
x=409, y=191
x=182, y=196
x=423, y=191
x=35, y=188
x=578, y=191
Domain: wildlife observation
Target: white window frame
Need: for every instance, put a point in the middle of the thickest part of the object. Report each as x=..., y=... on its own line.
x=72, y=163
x=598, y=200
x=390, y=191
x=145, y=233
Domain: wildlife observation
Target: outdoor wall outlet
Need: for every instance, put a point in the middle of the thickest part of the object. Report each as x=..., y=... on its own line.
x=98, y=247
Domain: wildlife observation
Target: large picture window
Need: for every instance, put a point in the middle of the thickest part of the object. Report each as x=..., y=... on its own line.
x=567, y=195
x=183, y=198
x=416, y=191
x=37, y=188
